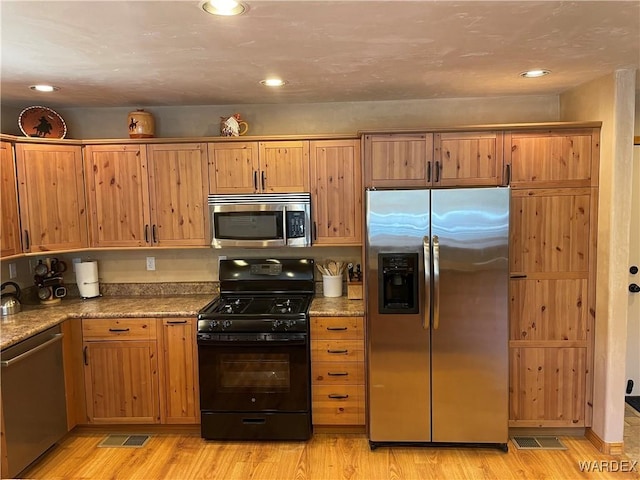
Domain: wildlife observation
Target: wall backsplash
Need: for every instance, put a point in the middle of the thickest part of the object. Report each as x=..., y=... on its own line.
x=172, y=266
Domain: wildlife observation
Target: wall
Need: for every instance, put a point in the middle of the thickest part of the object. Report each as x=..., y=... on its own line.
x=610, y=99
x=302, y=119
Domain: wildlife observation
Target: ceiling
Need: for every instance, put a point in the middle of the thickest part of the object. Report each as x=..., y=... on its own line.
x=168, y=53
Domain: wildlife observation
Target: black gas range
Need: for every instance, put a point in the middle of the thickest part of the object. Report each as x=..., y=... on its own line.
x=253, y=351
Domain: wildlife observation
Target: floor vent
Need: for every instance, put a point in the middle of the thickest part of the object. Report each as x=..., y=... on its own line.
x=538, y=443
x=130, y=441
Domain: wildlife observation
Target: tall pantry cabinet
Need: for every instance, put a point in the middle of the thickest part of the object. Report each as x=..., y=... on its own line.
x=554, y=177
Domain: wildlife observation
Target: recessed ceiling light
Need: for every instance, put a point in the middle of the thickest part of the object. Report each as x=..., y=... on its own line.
x=44, y=88
x=273, y=82
x=539, y=72
x=223, y=7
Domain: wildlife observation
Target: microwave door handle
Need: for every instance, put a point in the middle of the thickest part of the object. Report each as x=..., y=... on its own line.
x=436, y=282
x=426, y=255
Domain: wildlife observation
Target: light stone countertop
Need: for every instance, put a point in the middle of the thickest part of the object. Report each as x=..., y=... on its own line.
x=36, y=318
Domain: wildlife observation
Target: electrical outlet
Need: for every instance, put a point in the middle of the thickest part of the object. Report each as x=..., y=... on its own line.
x=151, y=263
x=13, y=273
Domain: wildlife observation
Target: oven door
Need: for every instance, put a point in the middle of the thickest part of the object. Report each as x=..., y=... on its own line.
x=244, y=373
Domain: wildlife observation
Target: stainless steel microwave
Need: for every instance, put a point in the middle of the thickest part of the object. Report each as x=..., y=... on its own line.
x=261, y=220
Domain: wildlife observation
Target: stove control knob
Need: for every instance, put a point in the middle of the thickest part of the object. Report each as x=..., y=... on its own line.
x=213, y=324
x=275, y=324
x=290, y=323
x=226, y=324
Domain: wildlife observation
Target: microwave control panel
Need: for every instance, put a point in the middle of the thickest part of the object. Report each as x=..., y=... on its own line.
x=295, y=224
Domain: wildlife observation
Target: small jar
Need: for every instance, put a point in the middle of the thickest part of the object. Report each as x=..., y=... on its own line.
x=141, y=124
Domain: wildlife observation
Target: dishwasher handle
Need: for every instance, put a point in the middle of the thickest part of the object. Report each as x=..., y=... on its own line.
x=55, y=338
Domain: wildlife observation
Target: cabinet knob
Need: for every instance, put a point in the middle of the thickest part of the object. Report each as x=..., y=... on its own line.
x=634, y=288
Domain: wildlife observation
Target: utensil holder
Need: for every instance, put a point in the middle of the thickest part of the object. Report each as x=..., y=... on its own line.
x=332, y=286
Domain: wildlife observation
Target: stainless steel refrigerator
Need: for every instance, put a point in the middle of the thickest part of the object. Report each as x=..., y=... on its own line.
x=437, y=311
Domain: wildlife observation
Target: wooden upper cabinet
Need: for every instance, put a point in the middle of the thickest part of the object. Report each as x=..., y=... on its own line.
x=398, y=160
x=10, y=226
x=259, y=167
x=556, y=158
x=337, y=192
x=178, y=188
x=118, y=195
x=233, y=167
x=550, y=231
x=468, y=159
x=152, y=195
x=52, y=199
x=284, y=166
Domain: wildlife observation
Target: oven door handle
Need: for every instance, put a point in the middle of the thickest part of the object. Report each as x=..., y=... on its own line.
x=251, y=343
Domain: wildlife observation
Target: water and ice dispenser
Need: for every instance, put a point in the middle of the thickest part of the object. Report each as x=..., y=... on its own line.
x=398, y=283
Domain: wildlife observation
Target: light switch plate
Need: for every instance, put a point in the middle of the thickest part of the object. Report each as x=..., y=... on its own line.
x=151, y=263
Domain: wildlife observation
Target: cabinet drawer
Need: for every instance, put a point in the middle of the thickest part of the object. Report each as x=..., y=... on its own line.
x=338, y=405
x=338, y=328
x=337, y=373
x=338, y=350
x=120, y=328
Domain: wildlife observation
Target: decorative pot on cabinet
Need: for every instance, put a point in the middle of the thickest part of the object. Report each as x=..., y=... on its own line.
x=141, y=124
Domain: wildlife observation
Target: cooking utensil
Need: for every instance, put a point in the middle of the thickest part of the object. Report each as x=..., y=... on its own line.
x=10, y=301
x=41, y=269
x=58, y=266
x=44, y=293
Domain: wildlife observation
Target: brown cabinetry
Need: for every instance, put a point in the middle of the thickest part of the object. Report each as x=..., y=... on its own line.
x=337, y=370
x=336, y=178
x=554, y=158
x=468, y=159
x=152, y=195
x=179, y=401
x=259, y=167
x=121, y=370
x=52, y=199
x=434, y=160
x=552, y=266
x=10, y=226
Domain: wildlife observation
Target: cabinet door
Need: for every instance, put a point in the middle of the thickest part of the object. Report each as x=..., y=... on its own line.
x=468, y=159
x=179, y=371
x=551, y=315
x=398, y=160
x=118, y=195
x=10, y=233
x=52, y=200
x=121, y=382
x=337, y=192
x=178, y=183
x=233, y=167
x=562, y=158
x=284, y=167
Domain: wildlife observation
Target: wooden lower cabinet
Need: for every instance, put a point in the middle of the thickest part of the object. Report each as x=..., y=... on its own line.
x=121, y=371
x=178, y=371
x=337, y=371
x=140, y=370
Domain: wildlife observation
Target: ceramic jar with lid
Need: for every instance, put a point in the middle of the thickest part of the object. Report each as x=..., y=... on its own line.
x=141, y=124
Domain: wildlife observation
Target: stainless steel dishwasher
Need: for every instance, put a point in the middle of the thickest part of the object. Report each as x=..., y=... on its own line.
x=33, y=397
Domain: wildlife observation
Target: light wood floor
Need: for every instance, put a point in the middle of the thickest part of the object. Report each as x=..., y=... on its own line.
x=326, y=456
x=632, y=433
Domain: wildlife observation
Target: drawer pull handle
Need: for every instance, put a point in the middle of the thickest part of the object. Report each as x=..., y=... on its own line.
x=337, y=351
x=337, y=374
x=118, y=330
x=176, y=322
x=335, y=329
x=337, y=396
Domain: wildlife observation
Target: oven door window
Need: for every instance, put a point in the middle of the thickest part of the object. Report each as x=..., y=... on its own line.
x=242, y=376
x=250, y=372
x=266, y=225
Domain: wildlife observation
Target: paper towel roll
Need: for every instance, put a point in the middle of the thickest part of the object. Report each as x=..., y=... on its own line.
x=87, y=279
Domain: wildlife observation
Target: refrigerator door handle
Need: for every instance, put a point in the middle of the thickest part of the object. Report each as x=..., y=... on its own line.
x=436, y=282
x=426, y=247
